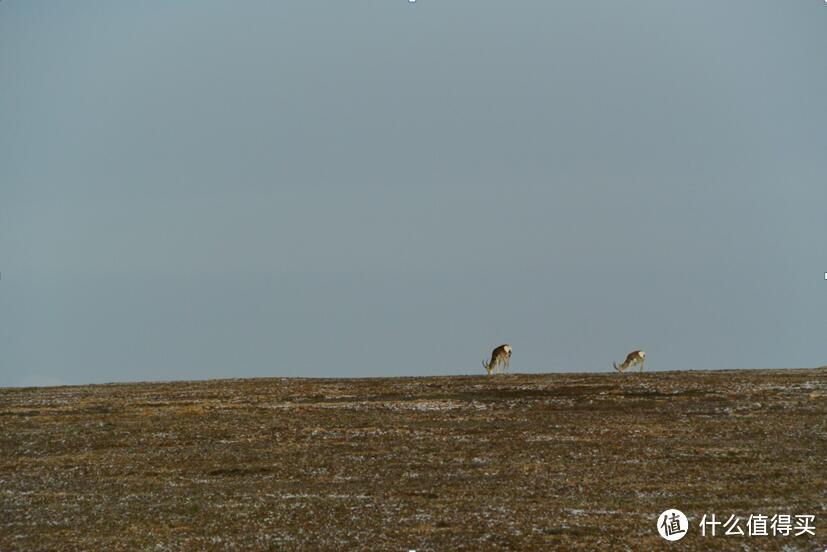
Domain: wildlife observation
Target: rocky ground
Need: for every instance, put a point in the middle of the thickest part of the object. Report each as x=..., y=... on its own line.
x=518, y=462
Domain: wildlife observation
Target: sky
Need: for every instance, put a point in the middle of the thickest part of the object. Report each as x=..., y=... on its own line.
x=204, y=189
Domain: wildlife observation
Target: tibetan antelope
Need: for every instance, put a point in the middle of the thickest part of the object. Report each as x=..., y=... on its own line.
x=635, y=357
x=499, y=357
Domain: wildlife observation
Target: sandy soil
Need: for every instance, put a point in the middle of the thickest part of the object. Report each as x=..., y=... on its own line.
x=519, y=462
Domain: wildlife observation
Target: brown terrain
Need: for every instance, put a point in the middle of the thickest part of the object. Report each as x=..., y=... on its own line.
x=509, y=462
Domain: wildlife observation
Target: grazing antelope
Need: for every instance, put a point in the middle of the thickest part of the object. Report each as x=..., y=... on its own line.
x=635, y=357
x=499, y=357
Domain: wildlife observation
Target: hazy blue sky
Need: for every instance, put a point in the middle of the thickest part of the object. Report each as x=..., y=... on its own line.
x=201, y=189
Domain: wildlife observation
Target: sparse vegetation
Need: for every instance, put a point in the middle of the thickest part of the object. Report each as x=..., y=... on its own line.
x=574, y=461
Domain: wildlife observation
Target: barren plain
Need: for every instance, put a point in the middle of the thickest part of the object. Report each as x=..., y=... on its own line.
x=510, y=462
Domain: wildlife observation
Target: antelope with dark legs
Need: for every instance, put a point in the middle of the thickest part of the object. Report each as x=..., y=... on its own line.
x=499, y=358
